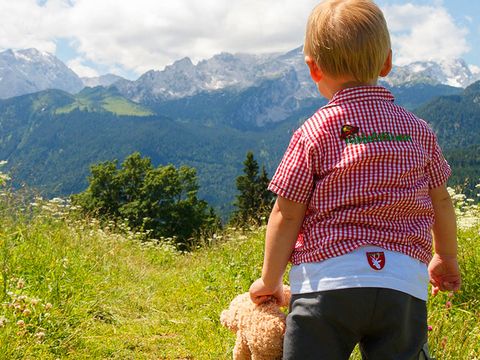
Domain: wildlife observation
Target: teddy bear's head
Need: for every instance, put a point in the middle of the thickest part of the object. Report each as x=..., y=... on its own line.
x=259, y=328
x=242, y=305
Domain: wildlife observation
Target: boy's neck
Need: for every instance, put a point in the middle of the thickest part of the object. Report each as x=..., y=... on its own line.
x=329, y=86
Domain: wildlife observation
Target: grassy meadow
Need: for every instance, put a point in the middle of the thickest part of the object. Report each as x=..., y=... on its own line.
x=72, y=289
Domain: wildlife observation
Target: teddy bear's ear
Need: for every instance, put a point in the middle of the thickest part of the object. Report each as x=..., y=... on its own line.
x=227, y=319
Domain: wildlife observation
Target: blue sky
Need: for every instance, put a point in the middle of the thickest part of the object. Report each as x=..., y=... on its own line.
x=465, y=13
x=130, y=37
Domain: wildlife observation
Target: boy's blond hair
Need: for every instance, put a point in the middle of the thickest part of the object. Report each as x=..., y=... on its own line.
x=348, y=38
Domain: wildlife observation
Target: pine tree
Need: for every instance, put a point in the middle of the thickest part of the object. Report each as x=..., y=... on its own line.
x=266, y=196
x=254, y=200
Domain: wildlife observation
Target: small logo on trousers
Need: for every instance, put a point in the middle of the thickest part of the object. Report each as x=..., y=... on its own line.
x=376, y=260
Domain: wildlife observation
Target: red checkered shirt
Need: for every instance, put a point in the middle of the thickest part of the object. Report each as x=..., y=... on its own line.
x=364, y=167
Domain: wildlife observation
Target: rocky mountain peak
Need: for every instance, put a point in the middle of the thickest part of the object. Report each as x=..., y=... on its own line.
x=183, y=65
x=30, y=70
x=453, y=72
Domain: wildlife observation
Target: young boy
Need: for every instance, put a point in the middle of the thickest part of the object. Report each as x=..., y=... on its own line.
x=360, y=188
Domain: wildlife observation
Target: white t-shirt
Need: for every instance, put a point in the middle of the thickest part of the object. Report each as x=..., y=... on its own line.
x=367, y=266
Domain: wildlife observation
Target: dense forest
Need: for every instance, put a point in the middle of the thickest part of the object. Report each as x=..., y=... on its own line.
x=51, y=138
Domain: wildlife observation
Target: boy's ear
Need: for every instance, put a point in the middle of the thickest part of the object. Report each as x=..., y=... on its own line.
x=315, y=72
x=387, y=67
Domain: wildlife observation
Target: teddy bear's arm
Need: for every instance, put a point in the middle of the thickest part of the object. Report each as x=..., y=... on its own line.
x=228, y=319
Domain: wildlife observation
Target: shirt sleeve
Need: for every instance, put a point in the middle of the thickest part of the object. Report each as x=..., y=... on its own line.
x=294, y=178
x=438, y=169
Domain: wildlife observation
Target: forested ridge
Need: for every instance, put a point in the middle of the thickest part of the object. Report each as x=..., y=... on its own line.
x=51, y=138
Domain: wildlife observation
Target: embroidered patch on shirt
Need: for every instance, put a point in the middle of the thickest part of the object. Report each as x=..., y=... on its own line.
x=376, y=260
x=351, y=135
x=348, y=130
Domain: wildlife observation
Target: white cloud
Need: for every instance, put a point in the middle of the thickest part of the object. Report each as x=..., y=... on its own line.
x=474, y=69
x=149, y=34
x=422, y=33
x=20, y=23
x=81, y=69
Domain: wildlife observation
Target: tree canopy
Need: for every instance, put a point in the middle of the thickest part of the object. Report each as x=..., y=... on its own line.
x=161, y=200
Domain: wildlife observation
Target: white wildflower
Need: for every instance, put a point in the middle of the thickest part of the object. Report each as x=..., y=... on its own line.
x=459, y=197
x=3, y=321
x=20, y=284
x=4, y=178
x=467, y=222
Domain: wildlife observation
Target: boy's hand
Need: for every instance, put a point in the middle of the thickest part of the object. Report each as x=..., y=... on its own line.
x=260, y=293
x=444, y=273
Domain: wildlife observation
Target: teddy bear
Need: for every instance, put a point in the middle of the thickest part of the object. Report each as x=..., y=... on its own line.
x=259, y=328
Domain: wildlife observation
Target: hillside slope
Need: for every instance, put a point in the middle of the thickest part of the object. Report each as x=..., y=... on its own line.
x=51, y=138
x=76, y=291
x=456, y=121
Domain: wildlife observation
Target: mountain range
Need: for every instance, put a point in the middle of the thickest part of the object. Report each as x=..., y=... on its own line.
x=282, y=79
x=29, y=70
x=206, y=116
x=227, y=71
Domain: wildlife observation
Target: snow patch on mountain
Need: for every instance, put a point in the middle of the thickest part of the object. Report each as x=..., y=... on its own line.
x=447, y=72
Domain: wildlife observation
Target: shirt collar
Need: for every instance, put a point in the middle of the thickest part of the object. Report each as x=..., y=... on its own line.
x=371, y=92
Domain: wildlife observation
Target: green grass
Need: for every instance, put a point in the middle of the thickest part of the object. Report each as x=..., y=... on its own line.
x=121, y=106
x=114, y=104
x=92, y=294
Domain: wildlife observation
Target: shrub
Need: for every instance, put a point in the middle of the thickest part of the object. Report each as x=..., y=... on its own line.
x=161, y=201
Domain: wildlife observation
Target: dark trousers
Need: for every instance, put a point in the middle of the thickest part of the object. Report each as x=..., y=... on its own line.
x=326, y=325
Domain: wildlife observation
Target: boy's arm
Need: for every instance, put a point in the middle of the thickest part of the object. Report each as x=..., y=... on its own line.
x=443, y=269
x=283, y=226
